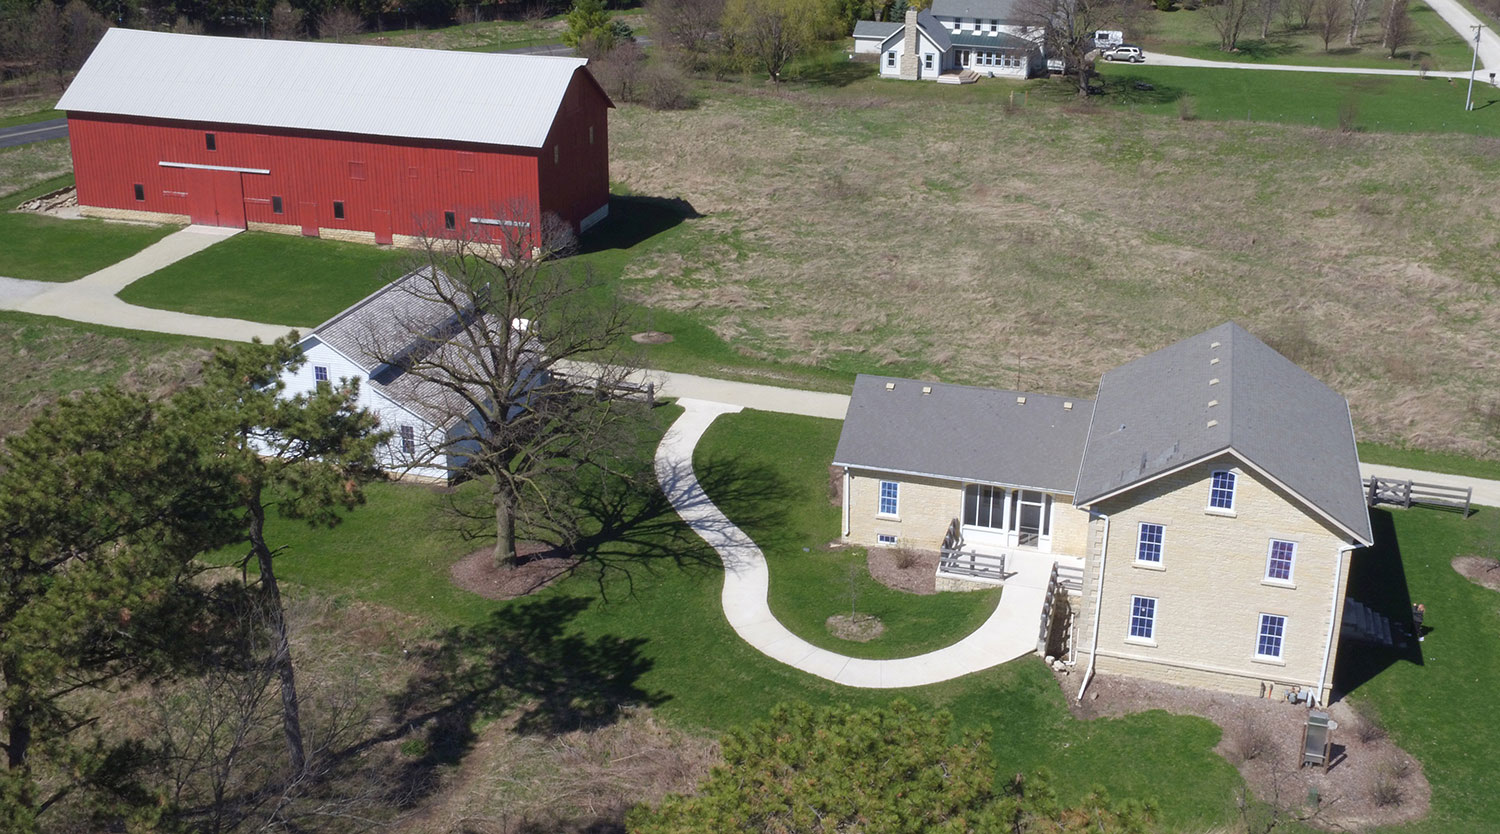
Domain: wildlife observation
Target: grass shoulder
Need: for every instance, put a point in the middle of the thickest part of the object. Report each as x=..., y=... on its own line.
x=42, y=248
x=1445, y=462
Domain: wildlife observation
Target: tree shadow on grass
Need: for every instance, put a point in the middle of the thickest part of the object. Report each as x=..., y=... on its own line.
x=1132, y=88
x=635, y=220
x=526, y=661
x=1377, y=578
x=1262, y=50
x=641, y=533
x=834, y=72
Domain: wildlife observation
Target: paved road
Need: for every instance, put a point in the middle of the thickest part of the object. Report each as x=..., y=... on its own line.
x=1008, y=633
x=33, y=132
x=1163, y=60
x=1463, y=21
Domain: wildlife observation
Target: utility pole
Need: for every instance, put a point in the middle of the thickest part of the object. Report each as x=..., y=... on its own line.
x=1473, y=65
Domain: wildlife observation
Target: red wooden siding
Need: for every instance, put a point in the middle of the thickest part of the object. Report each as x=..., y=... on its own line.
x=386, y=185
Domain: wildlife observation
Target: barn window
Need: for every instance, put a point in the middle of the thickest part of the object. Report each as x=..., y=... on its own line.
x=275, y=205
x=208, y=142
x=140, y=193
x=449, y=221
x=591, y=134
x=356, y=170
x=338, y=209
x=465, y=161
x=556, y=155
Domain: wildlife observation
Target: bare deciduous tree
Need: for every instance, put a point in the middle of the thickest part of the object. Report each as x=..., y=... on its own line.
x=1296, y=14
x=340, y=23
x=523, y=374
x=1266, y=10
x=686, y=27
x=1228, y=17
x=287, y=22
x=1359, y=12
x=1328, y=18
x=1396, y=26
x=1068, y=28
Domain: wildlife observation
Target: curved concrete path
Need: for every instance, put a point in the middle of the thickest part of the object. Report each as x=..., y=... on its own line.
x=1009, y=633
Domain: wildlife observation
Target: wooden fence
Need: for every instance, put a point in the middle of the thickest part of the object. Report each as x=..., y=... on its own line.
x=954, y=559
x=1410, y=493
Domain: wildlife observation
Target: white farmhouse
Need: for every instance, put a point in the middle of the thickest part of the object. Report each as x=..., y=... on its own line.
x=422, y=417
x=955, y=42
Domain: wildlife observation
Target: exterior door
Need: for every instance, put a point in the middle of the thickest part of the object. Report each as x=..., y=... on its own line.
x=307, y=213
x=215, y=198
x=382, y=221
x=1031, y=519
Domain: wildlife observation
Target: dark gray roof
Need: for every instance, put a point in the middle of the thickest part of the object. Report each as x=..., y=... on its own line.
x=400, y=318
x=1006, y=11
x=935, y=30
x=1153, y=415
x=960, y=432
x=997, y=40
x=879, y=29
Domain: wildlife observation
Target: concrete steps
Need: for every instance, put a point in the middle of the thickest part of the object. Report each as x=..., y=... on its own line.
x=1370, y=626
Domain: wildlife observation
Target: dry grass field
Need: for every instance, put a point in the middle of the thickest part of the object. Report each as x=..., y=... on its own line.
x=961, y=238
x=25, y=165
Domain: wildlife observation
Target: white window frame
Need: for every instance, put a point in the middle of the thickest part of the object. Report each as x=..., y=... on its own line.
x=885, y=538
x=1260, y=634
x=1291, y=568
x=895, y=499
x=1140, y=543
x=408, y=440
x=927, y=60
x=320, y=373
x=1149, y=638
x=1213, y=488
x=890, y=59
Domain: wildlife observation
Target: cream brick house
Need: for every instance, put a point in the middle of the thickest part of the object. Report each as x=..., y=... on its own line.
x=1210, y=496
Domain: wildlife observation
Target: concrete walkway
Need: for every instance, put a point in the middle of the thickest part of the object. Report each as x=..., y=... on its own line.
x=92, y=298
x=1009, y=633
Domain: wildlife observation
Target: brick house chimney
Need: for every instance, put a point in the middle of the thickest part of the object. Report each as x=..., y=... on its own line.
x=910, y=68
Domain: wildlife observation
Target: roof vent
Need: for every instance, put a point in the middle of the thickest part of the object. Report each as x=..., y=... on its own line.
x=890, y=386
x=1214, y=361
x=1020, y=400
x=926, y=389
x=1068, y=406
x=1212, y=403
x=1214, y=381
x=1214, y=345
x=1212, y=423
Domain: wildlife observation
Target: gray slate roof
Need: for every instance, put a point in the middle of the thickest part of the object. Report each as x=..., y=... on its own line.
x=1005, y=11
x=961, y=432
x=877, y=29
x=997, y=40
x=387, y=322
x=1152, y=415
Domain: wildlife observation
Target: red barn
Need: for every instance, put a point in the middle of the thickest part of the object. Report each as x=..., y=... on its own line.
x=366, y=143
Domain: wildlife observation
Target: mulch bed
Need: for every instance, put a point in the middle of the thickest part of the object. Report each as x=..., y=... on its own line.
x=858, y=629
x=918, y=578
x=1479, y=570
x=541, y=564
x=1269, y=732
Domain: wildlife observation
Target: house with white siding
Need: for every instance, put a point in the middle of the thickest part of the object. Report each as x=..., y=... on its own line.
x=955, y=41
x=1202, y=511
x=424, y=419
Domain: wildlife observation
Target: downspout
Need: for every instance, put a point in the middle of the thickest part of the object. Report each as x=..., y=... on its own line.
x=846, y=501
x=1334, y=613
x=1098, y=609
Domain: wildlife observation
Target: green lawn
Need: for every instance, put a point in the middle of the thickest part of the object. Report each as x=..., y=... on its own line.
x=28, y=118
x=49, y=249
x=779, y=496
x=259, y=276
x=1381, y=104
x=1431, y=461
x=1191, y=34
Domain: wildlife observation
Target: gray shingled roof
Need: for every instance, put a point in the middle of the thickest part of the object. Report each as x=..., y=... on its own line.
x=935, y=30
x=1153, y=415
x=960, y=432
x=878, y=29
x=1005, y=11
x=388, y=322
x=997, y=40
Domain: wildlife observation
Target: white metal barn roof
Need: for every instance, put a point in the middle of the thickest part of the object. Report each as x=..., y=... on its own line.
x=379, y=90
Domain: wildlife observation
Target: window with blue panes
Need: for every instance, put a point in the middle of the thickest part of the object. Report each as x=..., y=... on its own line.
x=1272, y=633
x=1143, y=617
x=1279, y=562
x=890, y=493
x=1148, y=549
x=320, y=373
x=1221, y=491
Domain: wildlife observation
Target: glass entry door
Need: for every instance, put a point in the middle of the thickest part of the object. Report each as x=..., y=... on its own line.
x=1031, y=519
